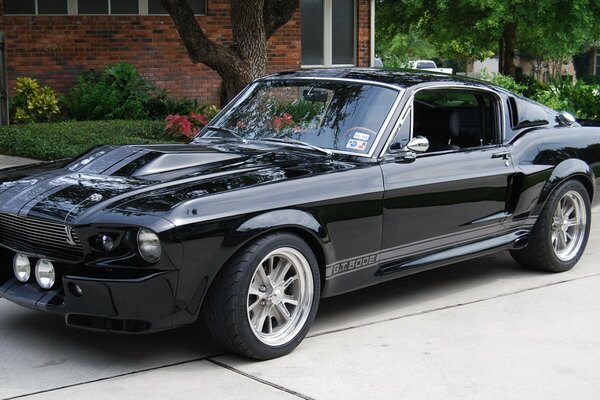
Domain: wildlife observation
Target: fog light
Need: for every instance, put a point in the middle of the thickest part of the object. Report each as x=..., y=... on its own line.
x=21, y=267
x=106, y=243
x=149, y=245
x=44, y=273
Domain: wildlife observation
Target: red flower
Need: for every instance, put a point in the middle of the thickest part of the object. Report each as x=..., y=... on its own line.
x=201, y=118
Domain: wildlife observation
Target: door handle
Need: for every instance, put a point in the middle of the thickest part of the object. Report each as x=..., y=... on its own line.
x=505, y=155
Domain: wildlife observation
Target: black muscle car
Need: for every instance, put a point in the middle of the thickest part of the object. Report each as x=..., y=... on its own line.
x=309, y=184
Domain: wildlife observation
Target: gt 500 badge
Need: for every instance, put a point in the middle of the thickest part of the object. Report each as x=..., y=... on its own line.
x=350, y=265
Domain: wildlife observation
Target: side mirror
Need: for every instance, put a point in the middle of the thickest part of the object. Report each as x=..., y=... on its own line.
x=408, y=152
x=418, y=144
x=566, y=119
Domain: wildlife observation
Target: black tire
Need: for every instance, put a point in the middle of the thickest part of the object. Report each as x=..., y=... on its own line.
x=231, y=303
x=545, y=250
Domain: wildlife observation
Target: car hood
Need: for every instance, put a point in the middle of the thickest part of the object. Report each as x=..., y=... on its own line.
x=146, y=179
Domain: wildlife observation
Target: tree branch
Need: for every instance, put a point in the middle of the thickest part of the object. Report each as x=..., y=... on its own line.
x=200, y=48
x=277, y=13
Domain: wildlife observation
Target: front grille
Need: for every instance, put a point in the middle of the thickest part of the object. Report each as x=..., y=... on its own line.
x=38, y=236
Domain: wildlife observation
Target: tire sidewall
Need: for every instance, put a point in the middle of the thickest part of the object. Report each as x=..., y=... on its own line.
x=272, y=242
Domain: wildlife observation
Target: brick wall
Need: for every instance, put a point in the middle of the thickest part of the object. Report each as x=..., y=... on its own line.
x=56, y=49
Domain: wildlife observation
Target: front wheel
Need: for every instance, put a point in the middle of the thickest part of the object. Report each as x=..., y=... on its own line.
x=264, y=301
x=560, y=234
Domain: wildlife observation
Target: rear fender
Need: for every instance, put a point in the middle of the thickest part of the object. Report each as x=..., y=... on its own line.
x=568, y=169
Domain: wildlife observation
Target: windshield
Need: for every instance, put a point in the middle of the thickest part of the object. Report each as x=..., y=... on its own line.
x=340, y=116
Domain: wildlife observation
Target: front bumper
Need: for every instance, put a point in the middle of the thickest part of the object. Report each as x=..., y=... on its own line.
x=138, y=305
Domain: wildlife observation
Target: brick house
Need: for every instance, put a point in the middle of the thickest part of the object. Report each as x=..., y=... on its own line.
x=55, y=40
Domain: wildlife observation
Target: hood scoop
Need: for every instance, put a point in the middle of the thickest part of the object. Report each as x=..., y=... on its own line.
x=172, y=161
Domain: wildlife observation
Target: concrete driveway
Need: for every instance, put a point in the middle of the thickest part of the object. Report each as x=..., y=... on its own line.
x=483, y=329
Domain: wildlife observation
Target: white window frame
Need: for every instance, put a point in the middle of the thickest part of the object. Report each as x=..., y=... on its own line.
x=327, y=37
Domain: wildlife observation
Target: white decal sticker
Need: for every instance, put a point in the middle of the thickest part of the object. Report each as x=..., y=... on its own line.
x=356, y=145
x=361, y=136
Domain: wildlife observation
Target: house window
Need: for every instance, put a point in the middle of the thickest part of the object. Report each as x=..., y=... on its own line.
x=107, y=7
x=328, y=32
x=92, y=7
x=155, y=7
x=597, y=69
x=35, y=7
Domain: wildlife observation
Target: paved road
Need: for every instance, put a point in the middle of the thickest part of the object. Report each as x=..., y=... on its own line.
x=483, y=329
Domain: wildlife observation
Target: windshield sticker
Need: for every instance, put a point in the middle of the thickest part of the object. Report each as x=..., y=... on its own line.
x=361, y=136
x=356, y=145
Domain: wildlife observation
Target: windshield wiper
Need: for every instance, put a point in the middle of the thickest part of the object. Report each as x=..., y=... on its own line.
x=289, y=140
x=223, y=129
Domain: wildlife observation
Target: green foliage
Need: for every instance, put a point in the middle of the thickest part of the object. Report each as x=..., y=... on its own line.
x=49, y=141
x=580, y=98
x=119, y=92
x=507, y=82
x=33, y=103
x=472, y=29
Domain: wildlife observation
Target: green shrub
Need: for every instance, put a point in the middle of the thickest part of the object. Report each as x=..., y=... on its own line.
x=118, y=92
x=49, y=141
x=33, y=103
x=580, y=98
x=505, y=81
x=163, y=104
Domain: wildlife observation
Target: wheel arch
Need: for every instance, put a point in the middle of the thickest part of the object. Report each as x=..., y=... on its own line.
x=572, y=169
x=298, y=222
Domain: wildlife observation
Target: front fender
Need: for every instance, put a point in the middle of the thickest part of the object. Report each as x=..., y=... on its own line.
x=289, y=219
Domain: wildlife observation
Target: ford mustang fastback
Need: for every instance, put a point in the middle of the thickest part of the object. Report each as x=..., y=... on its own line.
x=309, y=184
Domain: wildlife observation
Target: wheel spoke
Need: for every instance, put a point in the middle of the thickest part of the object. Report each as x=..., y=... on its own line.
x=281, y=272
x=569, y=211
x=562, y=242
x=289, y=281
x=568, y=237
x=259, y=319
x=289, y=300
x=254, y=290
x=262, y=276
x=283, y=312
x=254, y=305
x=573, y=222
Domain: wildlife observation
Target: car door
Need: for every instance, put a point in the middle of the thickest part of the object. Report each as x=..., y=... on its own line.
x=447, y=197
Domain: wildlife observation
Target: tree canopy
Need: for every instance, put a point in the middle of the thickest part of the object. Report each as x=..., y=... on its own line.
x=476, y=29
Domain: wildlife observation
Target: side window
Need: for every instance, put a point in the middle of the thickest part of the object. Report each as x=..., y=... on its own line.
x=456, y=119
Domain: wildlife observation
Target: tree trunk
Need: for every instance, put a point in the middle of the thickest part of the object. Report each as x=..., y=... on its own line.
x=253, y=22
x=508, y=45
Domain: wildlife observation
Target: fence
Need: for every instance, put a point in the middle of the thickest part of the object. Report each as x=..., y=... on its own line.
x=3, y=82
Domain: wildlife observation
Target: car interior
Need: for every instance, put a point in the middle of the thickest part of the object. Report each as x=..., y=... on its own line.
x=455, y=119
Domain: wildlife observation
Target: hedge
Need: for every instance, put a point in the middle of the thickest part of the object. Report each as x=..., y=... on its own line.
x=50, y=141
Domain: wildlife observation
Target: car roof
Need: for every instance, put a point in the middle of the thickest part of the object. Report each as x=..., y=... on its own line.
x=400, y=78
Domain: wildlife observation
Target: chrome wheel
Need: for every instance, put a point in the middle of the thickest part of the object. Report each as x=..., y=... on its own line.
x=280, y=296
x=569, y=226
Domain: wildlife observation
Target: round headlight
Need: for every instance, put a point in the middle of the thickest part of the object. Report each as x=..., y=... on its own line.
x=44, y=273
x=21, y=267
x=149, y=245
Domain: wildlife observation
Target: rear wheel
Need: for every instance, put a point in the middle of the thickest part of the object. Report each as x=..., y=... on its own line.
x=560, y=234
x=263, y=303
